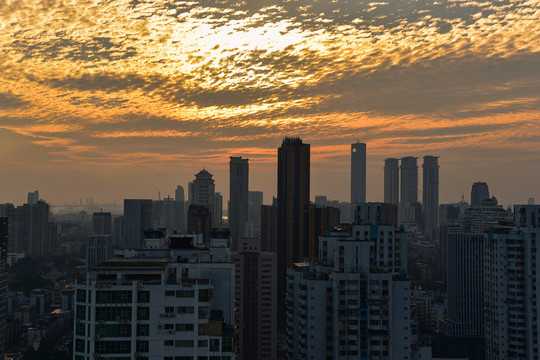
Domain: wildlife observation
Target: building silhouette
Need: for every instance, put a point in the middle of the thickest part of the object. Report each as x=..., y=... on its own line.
x=268, y=215
x=202, y=191
x=254, y=214
x=3, y=284
x=137, y=218
x=430, y=196
x=101, y=223
x=168, y=214
x=409, y=180
x=239, y=198
x=256, y=301
x=358, y=173
x=391, y=181
x=479, y=193
x=293, y=198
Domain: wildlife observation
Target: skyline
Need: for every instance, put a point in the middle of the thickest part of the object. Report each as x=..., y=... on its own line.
x=123, y=99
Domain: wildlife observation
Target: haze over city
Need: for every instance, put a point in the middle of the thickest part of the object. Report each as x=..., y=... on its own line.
x=124, y=99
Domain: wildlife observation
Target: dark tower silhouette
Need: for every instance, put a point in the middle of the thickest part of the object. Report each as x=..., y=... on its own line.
x=293, y=199
x=479, y=193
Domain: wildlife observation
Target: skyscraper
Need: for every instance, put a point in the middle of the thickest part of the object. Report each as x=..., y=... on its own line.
x=358, y=173
x=137, y=217
x=256, y=301
x=169, y=214
x=179, y=194
x=479, y=193
x=391, y=181
x=101, y=223
x=3, y=283
x=202, y=191
x=293, y=198
x=239, y=198
x=430, y=195
x=254, y=214
x=409, y=180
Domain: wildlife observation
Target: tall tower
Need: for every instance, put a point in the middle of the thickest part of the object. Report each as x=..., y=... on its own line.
x=479, y=193
x=202, y=191
x=3, y=283
x=409, y=180
x=293, y=198
x=430, y=195
x=391, y=181
x=102, y=223
x=358, y=173
x=137, y=217
x=239, y=198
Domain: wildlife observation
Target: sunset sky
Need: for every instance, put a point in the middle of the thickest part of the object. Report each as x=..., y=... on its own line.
x=122, y=99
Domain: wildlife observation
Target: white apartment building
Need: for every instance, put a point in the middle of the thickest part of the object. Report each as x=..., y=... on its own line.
x=511, y=286
x=351, y=303
x=166, y=304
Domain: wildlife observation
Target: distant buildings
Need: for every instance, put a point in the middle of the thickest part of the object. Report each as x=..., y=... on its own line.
x=358, y=173
x=98, y=249
x=102, y=223
x=137, y=217
x=479, y=193
x=256, y=301
x=168, y=214
x=409, y=180
x=268, y=214
x=239, y=198
x=430, y=196
x=391, y=181
x=3, y=283
x=202, y=191
x=293, y=197
x=254, y=213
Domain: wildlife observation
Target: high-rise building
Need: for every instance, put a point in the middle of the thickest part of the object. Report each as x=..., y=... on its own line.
x=202, y=191
x=317, y=220
x=137, y=218
x=268, y=215
x=254, y=214
x=30, y=229
x=348, y=304
x=101, y=223
x=159, y=303
x=479, y=193
x=358, y=173
x=293, y=198
x=409, y=180
x=3, y=283
x=118, y=231
x=200, y=221
x=430, y=196
x=98, y=249
x=33, y=197
x=511, y=287
x=391, y=181
x=168, y=214
x=218, y=213
x=256, y=301
x=239, y=198
x=179, y=194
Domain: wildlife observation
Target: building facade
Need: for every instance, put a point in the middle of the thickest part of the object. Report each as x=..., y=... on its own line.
x=430, y=196
x=391, y=181
x=358, y=173
x=174, y=303
x=293, y=198
x=239, y=198
x=102, y=223
x=350, y=303
x=256, y=301
x=479, y=193
x=137, y=218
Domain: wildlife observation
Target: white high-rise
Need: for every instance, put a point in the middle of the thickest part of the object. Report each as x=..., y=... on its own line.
x=358, y=173
x=511, y=287
x=174, y=303
x=354, y=302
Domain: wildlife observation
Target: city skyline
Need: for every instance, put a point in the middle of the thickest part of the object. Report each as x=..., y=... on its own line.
x=116, y=99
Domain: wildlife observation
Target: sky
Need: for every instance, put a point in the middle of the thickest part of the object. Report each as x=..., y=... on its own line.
x=122, y=99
